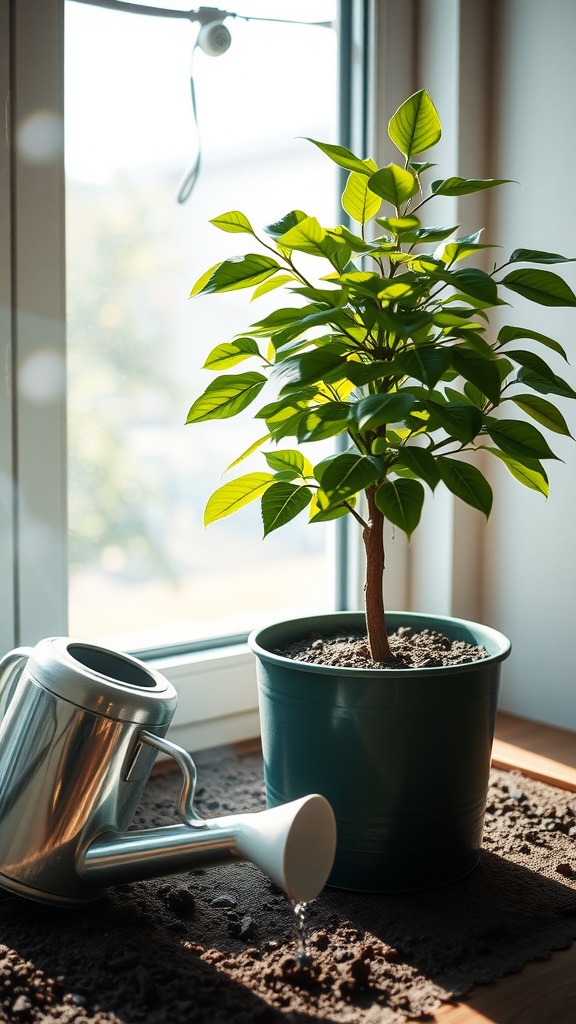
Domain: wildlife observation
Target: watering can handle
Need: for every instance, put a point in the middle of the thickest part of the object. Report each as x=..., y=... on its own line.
x=11, y=667
x=186, y=811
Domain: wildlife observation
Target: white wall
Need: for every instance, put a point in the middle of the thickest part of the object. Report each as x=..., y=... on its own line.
x=530, y=549
x=503, y=75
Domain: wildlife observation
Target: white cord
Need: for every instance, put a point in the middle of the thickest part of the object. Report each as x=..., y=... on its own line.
x=207, y=16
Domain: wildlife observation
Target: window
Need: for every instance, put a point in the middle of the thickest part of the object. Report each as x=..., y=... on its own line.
x=143, y=571
x=129, y=487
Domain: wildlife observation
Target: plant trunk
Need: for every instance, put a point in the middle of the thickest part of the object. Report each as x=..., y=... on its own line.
x=373, y=537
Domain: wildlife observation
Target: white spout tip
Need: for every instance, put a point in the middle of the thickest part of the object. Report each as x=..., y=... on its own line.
x=310, y=849
x=293, y=843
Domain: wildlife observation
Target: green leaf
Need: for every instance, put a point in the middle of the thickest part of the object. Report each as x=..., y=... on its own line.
x=321, y=364
x=289, y=459
x=347, y=474
x=474, y=395
x=306, y=236
x=290, y=220
x=380, y=445
x=321, y=511
x=473, y=282
x=321, y=467
x=235, y=494
x=277, y=411
x=531, y=475
x=357, y=244
x=456, y=186
x=426, y=364
x=532, y=362
x=399, y=225
x=452, y=318
x=483, y=373
x=394, y=184
x=393, y=291
x=324, y=421
x=198, y=287
x=518, y=439
x=553, y=385
x=282, y=502
x=310, y=237
x=287, y=425
x=477, y=305
x=507, y=334
x=466, y=482
x=459, y=249
x=463, y=421
x=249, y=451
x=401, y=501
x=234, y=221
x=342, y=156
x=278, y=281
x=537, y=256
x=420, y=462
x=357, y=199
x=415, y=126
x=458, y=397
x=543, y=412
x=230, y=353
x=319, y=296
x=363, y=373
x=541, y=286
x=226, y=396
x=429, y=234
x=280, y=318
x=303, y=321
x=376, y=410
x=236, y=272
x=419, y=166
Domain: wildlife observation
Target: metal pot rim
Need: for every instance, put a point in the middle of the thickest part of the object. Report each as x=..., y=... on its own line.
x=80, y=673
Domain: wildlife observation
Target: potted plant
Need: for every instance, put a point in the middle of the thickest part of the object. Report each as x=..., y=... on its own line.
x=389, y=349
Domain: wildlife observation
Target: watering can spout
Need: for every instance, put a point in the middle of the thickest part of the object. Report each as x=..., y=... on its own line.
x=293, y=844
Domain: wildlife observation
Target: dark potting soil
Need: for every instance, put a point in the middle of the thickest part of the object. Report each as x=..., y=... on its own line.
x=411, y=649
x=219, y=945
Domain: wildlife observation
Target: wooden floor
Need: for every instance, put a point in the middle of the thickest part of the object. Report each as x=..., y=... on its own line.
x=544, y=992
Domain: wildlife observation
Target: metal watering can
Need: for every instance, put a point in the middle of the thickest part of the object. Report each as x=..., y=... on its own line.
x=81, y=728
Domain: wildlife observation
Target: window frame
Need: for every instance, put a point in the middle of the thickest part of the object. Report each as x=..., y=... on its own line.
x=35, y=441
x=7, y=547
x=216, y=681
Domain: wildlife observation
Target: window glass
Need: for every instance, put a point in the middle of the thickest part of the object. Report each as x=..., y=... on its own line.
x=143, y=570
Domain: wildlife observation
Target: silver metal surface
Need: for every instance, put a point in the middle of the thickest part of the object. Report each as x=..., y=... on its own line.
x=103, y=681
x=80, y=731
x=72, y=764
x=149, y=853
x=186, y=801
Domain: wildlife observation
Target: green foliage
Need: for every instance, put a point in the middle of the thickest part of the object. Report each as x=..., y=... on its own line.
x=388, y=347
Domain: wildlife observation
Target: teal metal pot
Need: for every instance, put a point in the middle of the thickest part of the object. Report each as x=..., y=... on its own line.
x=402, y=755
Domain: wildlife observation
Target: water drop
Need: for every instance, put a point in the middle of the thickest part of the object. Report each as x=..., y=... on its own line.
x=302, y=953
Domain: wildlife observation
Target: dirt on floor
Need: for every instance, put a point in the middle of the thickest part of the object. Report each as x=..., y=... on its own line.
x=221, y=945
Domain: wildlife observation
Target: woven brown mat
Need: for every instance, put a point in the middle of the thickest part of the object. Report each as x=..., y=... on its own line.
x=218, y=945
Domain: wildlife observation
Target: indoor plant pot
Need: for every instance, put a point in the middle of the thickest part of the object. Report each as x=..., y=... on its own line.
x=389, y=349
x=403, y=756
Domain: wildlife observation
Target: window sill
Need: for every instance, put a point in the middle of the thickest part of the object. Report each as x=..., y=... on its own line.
x=217, y=696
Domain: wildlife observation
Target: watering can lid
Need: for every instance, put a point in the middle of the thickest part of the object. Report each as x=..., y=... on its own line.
x=103, y=681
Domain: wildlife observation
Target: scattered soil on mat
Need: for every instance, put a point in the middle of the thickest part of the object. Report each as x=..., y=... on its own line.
x=411, y=649
x=219, y=945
